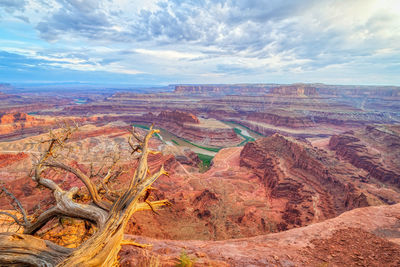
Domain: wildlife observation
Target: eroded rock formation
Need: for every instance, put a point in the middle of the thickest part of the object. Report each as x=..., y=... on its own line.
x=222, y=89
x=375, y=149
x=365, y=236
x=11, y=158
x=273, y=184
x=188, y=126
x=310, y=184
x=18, y=124
x=295, y=90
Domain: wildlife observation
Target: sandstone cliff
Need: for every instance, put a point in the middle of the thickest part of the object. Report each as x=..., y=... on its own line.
x=310, y=184
x=222, y=89
x=270, y=185
x=188, y=126
x=18, y=124
x=375, y=149
x=361, y=237
x=294, y=90
x=15, y=118
x=178, y=117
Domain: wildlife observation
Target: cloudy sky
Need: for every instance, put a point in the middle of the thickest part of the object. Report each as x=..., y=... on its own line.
x=200, y=41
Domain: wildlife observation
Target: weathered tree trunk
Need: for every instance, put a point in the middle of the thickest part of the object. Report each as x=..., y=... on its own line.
x=102, y=248
x=26, y=250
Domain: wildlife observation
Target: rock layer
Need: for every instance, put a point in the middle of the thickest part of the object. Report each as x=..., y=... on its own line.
x=375, y=149
x=270, y=185
x=188, y=126
x=308, y=183
x=19, y=124
x=295, y=90
x=365, y=236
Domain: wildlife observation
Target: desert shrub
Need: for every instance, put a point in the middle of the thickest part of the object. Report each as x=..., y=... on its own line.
x=185, y=260
x=205, y=163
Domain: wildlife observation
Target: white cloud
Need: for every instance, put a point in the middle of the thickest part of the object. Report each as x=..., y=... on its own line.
x=167, y=54
x=113, y=68
x=254, y=38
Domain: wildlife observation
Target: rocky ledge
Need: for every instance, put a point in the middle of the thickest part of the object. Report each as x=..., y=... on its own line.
x=375, y=149
x=361, y=237
x=200, y=131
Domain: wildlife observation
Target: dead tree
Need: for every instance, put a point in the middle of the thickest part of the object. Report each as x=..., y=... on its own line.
x=108, y=211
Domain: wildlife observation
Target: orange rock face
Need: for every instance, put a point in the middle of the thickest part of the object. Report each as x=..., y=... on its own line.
x=222, y=89
x=310, y=185
x=18, y=124
x=281, y=120
x=374, y=149
x=8, y=159
x=270, y=185
x=15, y=117
x=365, y=236
x=187, y=126
x=178, y=117
x=14, y=124
x=295, y=90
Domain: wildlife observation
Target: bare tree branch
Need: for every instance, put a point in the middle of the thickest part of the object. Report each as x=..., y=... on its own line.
x=41, y=221
x=17, y=221
x=136, y=135
x=152, y=205
x=133, y=243
x=86, y=181
x=19, y=205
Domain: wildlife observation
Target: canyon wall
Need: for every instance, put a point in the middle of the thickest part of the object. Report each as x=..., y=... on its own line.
x=187, y=126
x=375, y=149
x=294, y=90
x=308, y=182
